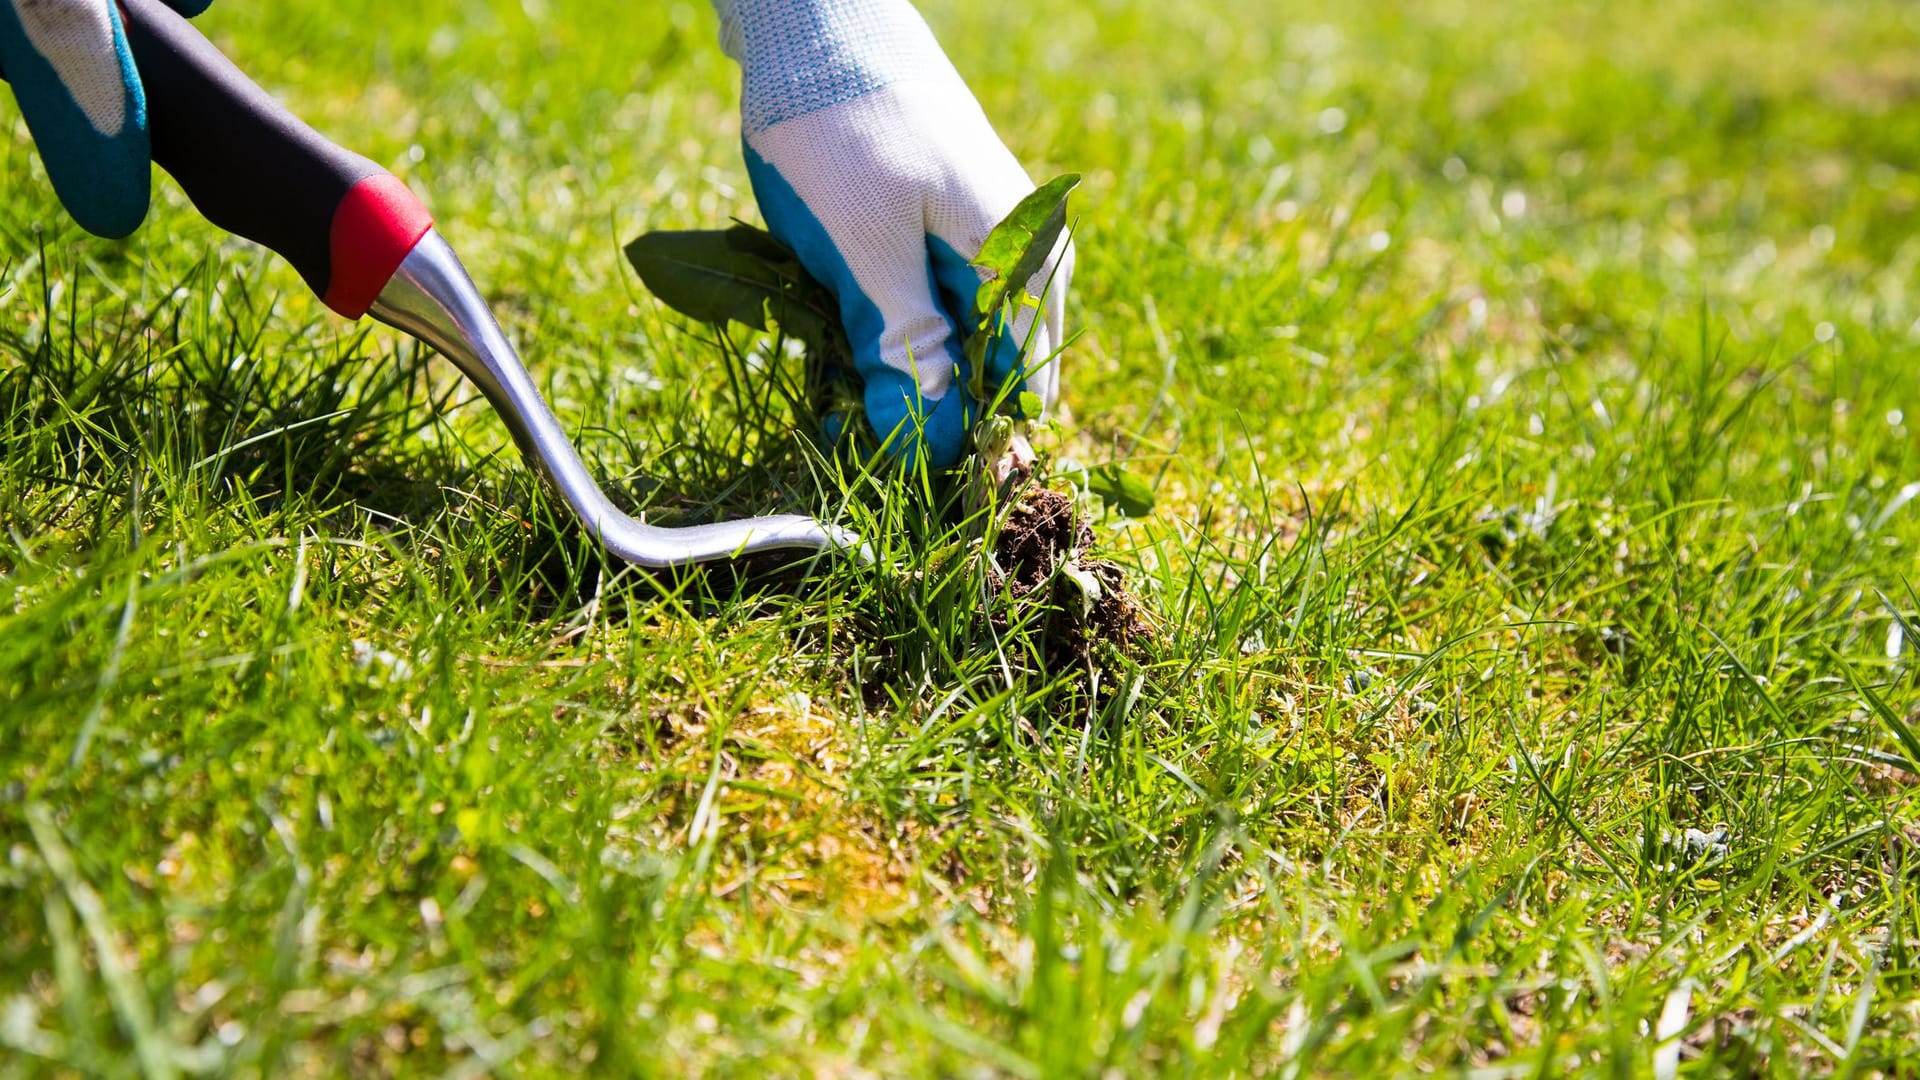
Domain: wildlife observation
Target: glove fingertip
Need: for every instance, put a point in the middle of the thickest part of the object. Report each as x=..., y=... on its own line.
x=189, y=8
x=833, y=428
x=104, y=182
x=909, y=427
x=112, y=219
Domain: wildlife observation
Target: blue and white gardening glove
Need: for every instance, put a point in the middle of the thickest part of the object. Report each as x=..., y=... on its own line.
x=77, y=87
x=872, y=160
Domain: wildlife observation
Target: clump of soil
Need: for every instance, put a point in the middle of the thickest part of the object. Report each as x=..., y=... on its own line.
x=1040, y=531
x=1041, y=535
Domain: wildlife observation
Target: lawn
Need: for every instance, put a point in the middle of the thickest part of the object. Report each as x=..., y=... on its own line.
x=1524, y=392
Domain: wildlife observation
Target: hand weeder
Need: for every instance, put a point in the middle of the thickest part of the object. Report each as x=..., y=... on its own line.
x=366, y=246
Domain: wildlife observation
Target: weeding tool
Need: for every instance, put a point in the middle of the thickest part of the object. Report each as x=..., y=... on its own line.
x=367, y=246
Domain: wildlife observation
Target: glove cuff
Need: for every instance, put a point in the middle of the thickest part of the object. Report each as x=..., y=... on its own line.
x=800, y=56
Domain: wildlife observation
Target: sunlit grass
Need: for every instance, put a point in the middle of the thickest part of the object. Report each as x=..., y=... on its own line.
x=1529, y=395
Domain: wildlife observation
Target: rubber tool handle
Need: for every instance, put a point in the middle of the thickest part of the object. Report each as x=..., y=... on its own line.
x=256, y=170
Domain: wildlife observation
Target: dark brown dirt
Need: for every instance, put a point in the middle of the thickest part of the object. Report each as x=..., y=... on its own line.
x=1041, y=532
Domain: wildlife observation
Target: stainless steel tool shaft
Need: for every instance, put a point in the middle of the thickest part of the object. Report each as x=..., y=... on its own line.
x=432, y=298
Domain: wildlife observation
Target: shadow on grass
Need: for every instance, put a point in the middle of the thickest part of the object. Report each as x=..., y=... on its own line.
x=109, y=409
x=212, y=421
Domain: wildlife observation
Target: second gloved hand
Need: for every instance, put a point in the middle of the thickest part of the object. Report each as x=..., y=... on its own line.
x=80, y=93
x=873, y=161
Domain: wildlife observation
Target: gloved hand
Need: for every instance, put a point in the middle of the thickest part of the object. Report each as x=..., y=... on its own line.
x=872, y=160
x=76, y=84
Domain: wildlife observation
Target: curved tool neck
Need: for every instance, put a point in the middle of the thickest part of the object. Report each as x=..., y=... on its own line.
x=432, y=298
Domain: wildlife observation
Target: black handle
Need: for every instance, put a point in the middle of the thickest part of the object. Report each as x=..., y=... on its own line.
x=255, y=169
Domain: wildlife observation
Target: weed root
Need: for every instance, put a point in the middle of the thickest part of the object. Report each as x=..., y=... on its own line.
x=1042, y=556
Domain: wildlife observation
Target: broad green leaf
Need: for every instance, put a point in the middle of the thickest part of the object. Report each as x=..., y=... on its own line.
x=737, y=275
x=1018, y=246
x=703, y=276
x=815, y=300
x=759, y=243
x=1121, y=490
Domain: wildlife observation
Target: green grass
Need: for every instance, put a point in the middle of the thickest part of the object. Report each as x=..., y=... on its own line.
x=1533, y=438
